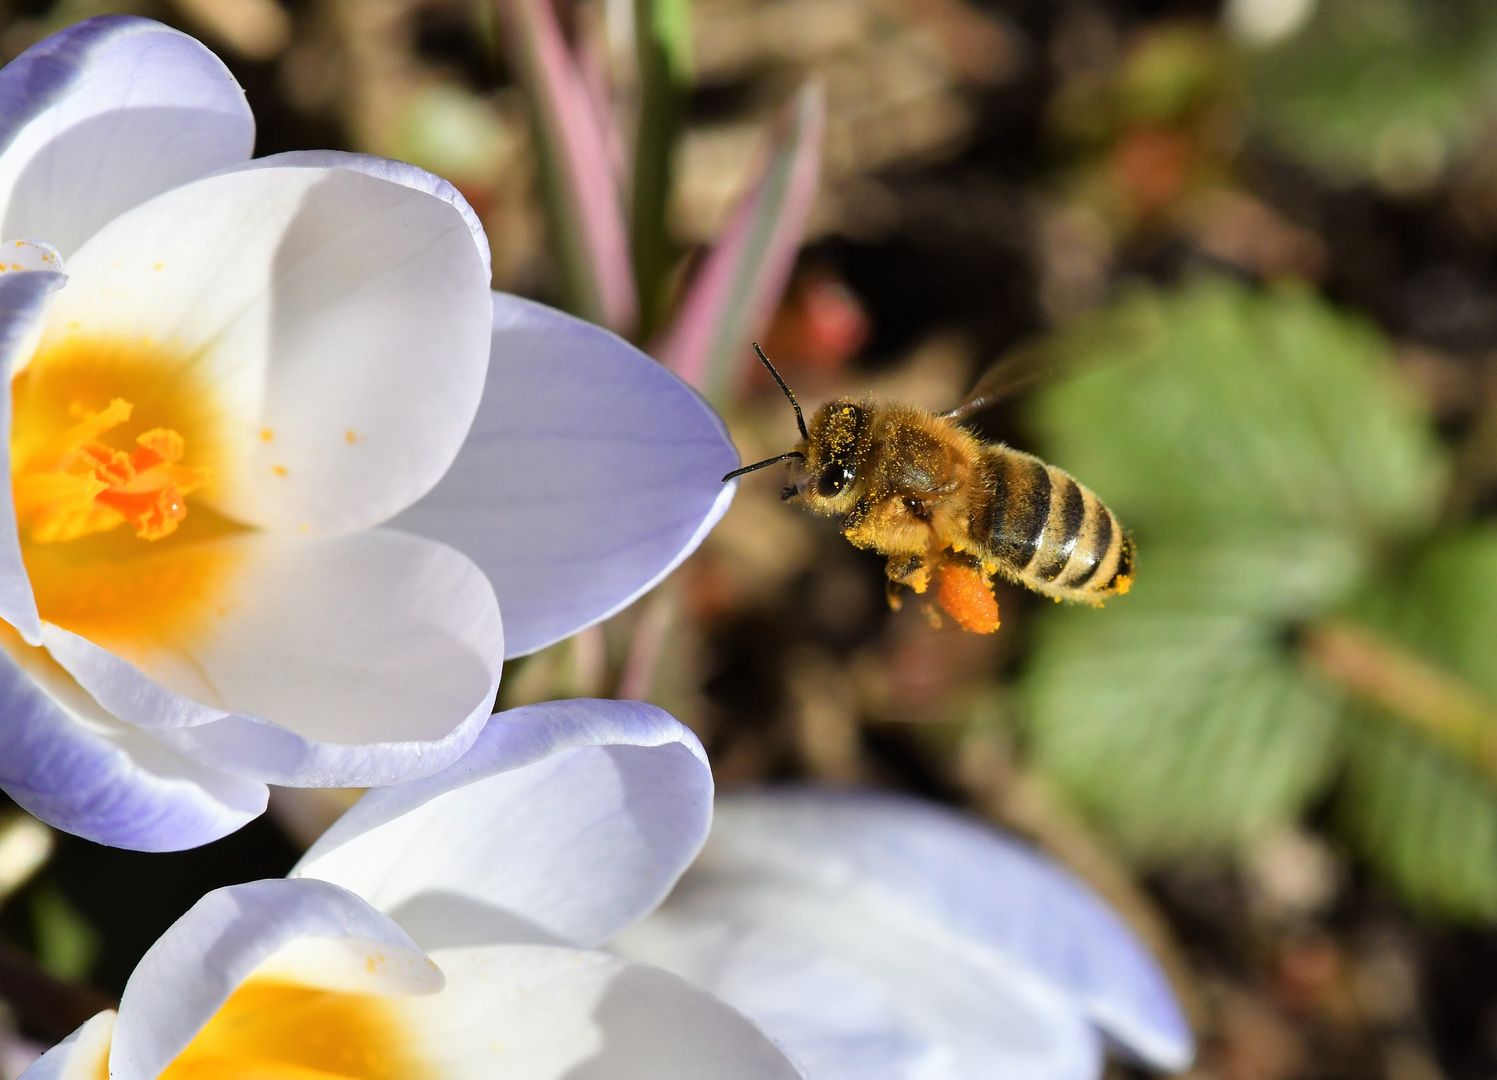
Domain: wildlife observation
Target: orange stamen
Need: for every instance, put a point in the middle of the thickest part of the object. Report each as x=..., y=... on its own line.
x=77, y=485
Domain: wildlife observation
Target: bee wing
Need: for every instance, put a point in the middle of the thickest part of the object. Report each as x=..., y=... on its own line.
x=1014, y=372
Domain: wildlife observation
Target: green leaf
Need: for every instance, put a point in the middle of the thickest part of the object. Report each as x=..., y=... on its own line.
x=1174, y=716
x=1261, y=448
x=1426, y=819
x=1284, y=577
x=662, y=32
x=670, y=25
x=66, y=945
x=1421, y=818
x=1386, y=90
x=1220, y=411
x=1446, y=609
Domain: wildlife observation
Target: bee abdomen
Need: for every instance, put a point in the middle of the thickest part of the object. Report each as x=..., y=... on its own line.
x=1050, y=532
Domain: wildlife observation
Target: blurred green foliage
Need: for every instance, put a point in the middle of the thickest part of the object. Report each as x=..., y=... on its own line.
x=1387, y=90
x=1279, y=479
x=1418, y=814
x=66, y=945
x=662, y=33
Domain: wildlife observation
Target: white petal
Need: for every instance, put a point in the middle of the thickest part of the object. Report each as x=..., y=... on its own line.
x=29, y=255
x=565, y=822
x=856, y=989
x=317, y=662
x=590, y=473
x=23, y=299
x=780, y=865
x=533, y=1012
x=193, y=968
x=105, y=114
x=397, y=172
x=336, y=320
x=70, y=763
x=83, y=1055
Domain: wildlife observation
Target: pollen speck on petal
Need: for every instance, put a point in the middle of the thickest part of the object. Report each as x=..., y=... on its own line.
x=279, y=470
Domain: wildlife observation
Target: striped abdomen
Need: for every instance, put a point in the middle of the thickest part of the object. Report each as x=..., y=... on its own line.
x=1047, y=531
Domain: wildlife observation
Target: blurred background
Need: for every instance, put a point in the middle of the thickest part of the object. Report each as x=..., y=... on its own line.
x=1255, y=245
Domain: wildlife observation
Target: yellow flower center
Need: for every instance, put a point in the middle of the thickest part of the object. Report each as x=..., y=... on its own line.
x=273, y=1030
x=78, y=485
x=108, y=433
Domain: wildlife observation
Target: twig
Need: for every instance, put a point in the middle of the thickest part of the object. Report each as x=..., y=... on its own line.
x=1431, y=701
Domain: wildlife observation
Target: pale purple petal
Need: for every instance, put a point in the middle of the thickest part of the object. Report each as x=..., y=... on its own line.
x=81, y=770
x=589, y=474
x=104, y=115
x=539, y=1012
x=993, y=896
x=565, y=822
x=23, y=299
x=193, y=968
x=858, y=992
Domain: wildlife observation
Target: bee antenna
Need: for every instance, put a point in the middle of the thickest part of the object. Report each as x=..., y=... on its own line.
x=764, y=464
x=800, y=421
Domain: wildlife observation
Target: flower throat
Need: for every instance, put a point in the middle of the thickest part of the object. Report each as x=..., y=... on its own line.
x=75, y=470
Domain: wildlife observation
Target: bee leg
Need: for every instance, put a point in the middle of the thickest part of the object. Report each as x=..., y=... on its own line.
x=894, y=593
x=854, y=520
x=908, y=570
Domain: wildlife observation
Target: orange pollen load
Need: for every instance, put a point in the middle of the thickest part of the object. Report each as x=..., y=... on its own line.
x=77, y=485
x=967, y=597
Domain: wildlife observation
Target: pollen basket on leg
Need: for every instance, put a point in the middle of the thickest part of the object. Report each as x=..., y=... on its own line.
x=109, y=440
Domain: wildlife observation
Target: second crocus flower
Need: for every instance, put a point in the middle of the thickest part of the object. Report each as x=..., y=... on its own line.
x=564, y=822
x=873, y=936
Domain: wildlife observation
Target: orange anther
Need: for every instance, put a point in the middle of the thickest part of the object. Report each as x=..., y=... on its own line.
x=79, y=486
x=159, y=446
x=108, y=464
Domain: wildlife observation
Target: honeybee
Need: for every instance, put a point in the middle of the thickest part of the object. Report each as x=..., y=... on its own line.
x=948, y=508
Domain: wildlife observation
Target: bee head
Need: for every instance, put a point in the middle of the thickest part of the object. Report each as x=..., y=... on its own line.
x=828, y=473
x=824, y=464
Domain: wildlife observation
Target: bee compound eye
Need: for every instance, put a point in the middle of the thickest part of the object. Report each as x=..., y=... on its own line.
x=832, y=480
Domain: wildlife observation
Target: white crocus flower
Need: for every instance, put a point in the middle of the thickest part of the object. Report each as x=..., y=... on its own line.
x=565, y=821
x=226, y=377
x=880, y=938
x=301, y=980
x=874, y=937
